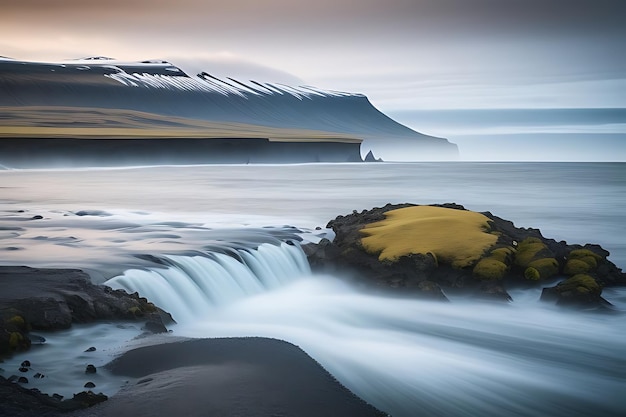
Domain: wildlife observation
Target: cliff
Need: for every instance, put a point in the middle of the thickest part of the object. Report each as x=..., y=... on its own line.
x=94, y=99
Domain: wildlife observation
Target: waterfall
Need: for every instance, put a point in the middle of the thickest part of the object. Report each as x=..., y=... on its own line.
x=190, y=286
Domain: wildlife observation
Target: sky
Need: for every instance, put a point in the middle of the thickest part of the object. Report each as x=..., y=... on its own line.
x=403, y=54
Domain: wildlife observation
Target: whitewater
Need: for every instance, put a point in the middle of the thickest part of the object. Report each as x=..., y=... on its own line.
x=219, y=248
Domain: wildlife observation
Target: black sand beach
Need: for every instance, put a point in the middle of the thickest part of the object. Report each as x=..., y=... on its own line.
x=227, y=377
x=196, y=377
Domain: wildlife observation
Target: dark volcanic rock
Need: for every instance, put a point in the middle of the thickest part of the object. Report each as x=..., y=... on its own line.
x=519, y=257
x=51, y=299
x=578, y=291
x=19, y=401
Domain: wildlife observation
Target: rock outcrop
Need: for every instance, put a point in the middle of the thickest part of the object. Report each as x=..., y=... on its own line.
x=426, y=250
x=52, y=299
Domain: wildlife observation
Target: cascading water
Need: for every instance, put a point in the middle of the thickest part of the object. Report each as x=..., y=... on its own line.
x=407, y=357
x=190, y=286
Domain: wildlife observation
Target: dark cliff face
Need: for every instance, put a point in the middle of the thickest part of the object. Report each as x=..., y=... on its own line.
x=165, y=90
x=47, y=153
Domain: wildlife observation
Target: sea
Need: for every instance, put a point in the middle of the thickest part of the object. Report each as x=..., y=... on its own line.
x=218, y=246
x=548, y=135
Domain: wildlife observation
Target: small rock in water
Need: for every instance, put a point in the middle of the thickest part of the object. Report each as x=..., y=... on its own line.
x=90, y=369
x=23, y=369
x=57, y=396
x=26, y=364
x=90, y=385
x=38, y=375
x=37, y=217
x=89, y=398
x=91, y=349
x=36, y=339
x=22, y=380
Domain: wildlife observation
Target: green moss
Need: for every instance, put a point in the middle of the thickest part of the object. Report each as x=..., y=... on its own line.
x=527, y=251
x=546, y=267
x=530, y=240
x=149, y=307
x=532, y=274
x=576, y=266
x=17, y=321
x=580, y=283
x=503, y=255
x=489, y=269
x=135, y=311
x=15, y=339
x=583, y=253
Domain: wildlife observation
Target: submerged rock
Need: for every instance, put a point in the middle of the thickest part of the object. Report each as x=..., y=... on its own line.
x=426, y=250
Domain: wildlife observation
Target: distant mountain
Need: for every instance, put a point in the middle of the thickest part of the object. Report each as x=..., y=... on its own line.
x=98, y=97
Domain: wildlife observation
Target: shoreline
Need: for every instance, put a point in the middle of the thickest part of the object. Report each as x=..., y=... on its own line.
x=222, y=376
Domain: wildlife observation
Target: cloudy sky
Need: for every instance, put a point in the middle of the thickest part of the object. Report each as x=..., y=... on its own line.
x=404, y=54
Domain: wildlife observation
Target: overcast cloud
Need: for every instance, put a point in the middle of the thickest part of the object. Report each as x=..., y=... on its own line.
x=401, y=53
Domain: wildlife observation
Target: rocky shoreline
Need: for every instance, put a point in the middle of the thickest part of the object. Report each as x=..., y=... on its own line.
x=418, y=251
x=53, y=299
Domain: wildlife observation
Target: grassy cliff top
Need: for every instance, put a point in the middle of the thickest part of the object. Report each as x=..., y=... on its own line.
x=456, y=237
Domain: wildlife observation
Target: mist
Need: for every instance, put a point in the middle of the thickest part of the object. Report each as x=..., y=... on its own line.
x=553, y=135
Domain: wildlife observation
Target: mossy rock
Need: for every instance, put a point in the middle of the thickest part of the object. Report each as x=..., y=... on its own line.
x=530, y=240
x=546, y=267
x=456, y=237
x=577, y=257
x=15, y=340
x=149, y=307
x=532, y=274
x=584, y=253
x=16, y=321
x=577, y=266
x=503, y=254
x=490, y=269
x=530, y=249
x=135, y=311
x=581, y=291
x=582, y=284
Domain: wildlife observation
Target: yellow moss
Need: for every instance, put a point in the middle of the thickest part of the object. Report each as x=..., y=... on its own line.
x=135, y=311
x=15, y=338
x=502, y=254
x=586, y=256
x=546, y=267
x=17, y=321
x=532, y=274
x=489, y=269
x=581, y=283
x=456, y=237
x=527, y=251
x=576, y=266
x=583, y=253
x=530, y=240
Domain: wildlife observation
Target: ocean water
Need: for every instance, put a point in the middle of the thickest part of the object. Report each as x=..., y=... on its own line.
x=526, y=134
x=218, y=231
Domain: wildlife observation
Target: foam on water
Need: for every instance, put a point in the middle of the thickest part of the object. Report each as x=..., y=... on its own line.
x=191, y=286
x=402, y=355
x=405, y=356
